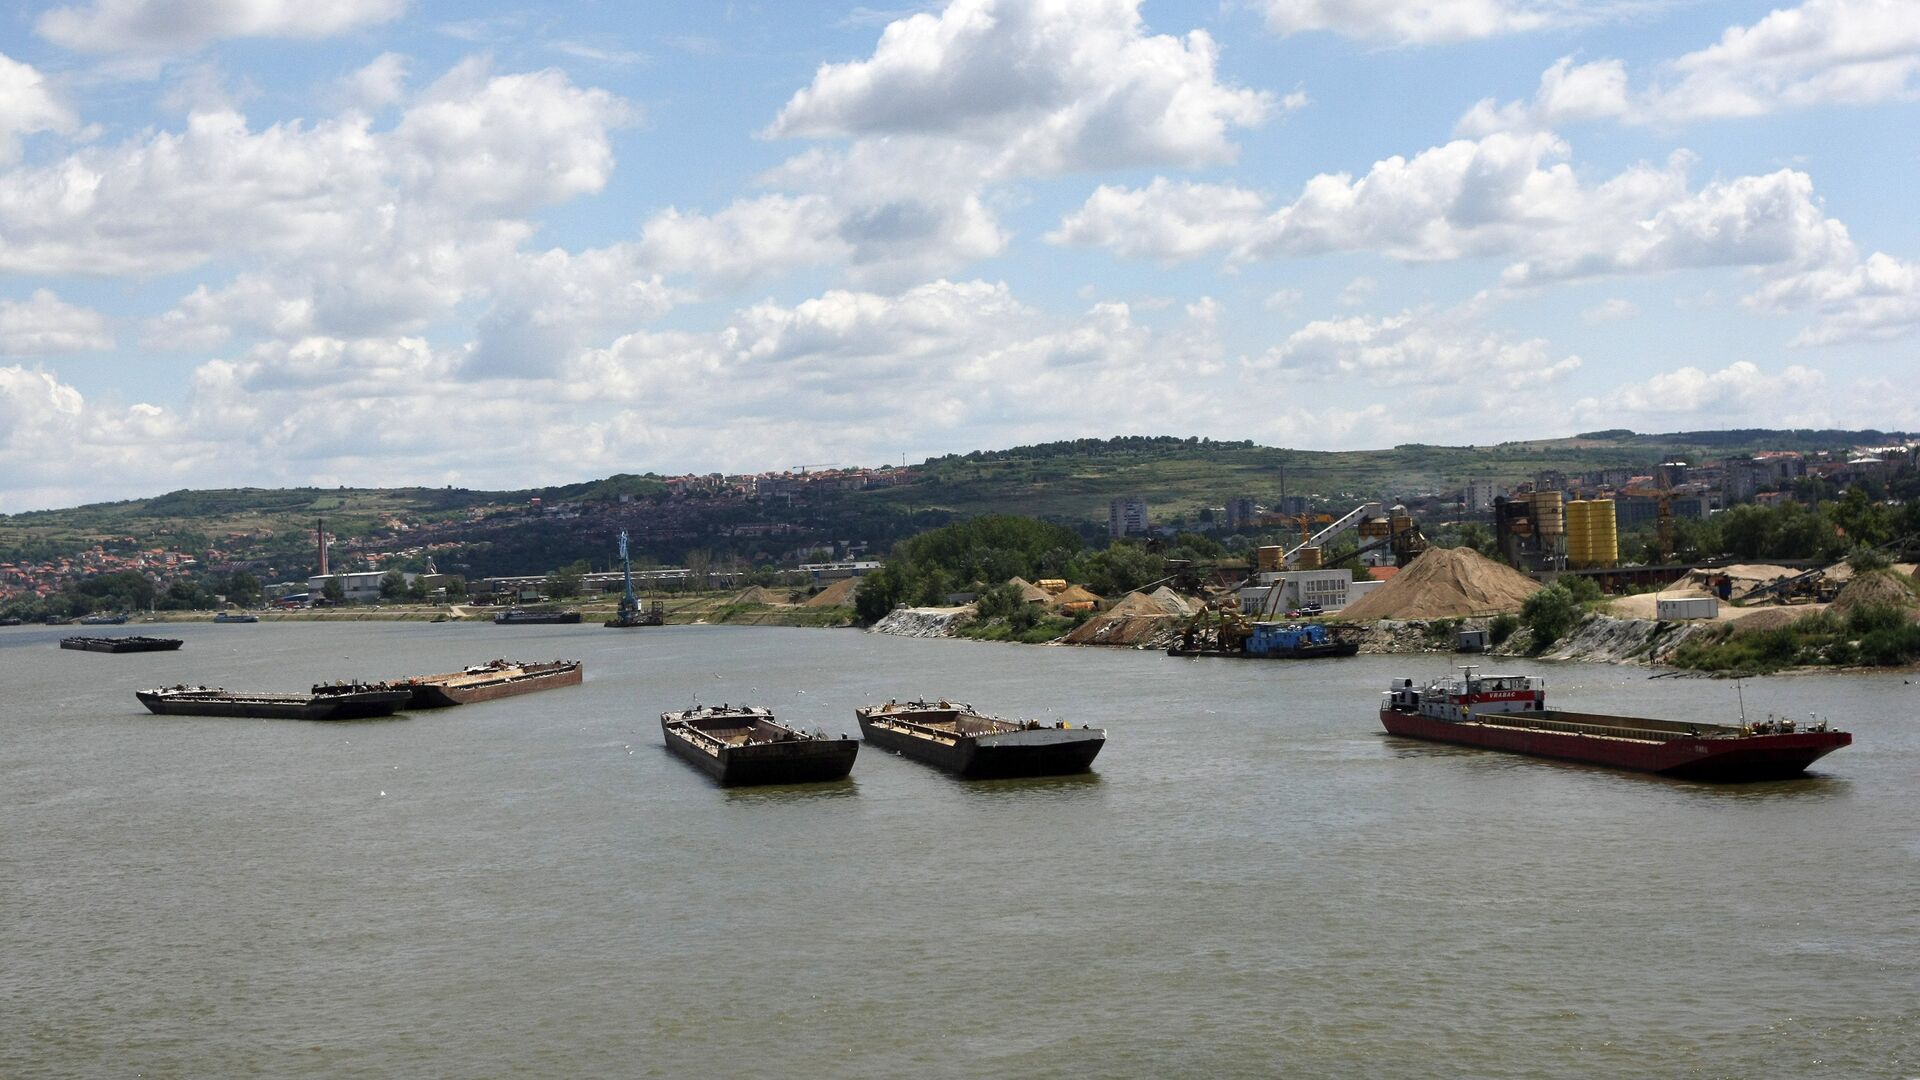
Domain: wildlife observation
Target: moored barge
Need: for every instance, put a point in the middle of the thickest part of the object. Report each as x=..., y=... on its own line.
x=739, y=745
x=528, y=617
x=327, y=701
x=127, y=643
x=952, y=736
x=485, y=682
x=1508, y=712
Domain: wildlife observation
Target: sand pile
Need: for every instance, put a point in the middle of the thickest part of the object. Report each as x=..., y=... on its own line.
x=1446, y=583
x=758, y=594
x=1029, y=592
x=1073, y=594
x=838, y=594
x=1878, y=588
x=1131, y=621
x=1173, y=602
x=1745, y=578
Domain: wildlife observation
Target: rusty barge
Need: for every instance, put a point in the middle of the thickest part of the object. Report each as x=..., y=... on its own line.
x=952, y=736
x=1508, y=712
x=124, y=644
x=485, y=682
x=739, y=745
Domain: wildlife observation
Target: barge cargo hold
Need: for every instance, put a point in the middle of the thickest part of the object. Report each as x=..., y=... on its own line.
x=740, y=745
x=485, y=682
x=1508, y=712
x=952, y=736
x=343, y=701
x=129, y=643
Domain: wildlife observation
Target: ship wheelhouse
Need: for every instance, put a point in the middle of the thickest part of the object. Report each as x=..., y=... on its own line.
x=1462, y=697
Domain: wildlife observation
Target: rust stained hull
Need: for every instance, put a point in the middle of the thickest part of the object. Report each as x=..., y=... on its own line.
x=443, y=691
x=1045, y=752
x=1726, y=760
x=121, y=644
x=794, y=761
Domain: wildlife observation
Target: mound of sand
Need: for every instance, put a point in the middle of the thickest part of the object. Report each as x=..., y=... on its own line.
x=1073, y=594
x=1754, y=620
x=1134, y=619
x=759, y=594
x=1446, y=583
x=838, y=594
x=1879, y=588
x=1173, y=602
x=1029, y=592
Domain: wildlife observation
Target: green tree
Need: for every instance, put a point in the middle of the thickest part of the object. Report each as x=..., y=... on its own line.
x=565, y=581
x=1550, y=613
x=333, y=590
x=393, y=583
x=1121, y=568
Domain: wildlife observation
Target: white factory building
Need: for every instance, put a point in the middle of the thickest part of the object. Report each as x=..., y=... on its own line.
x=356, y=587
x=1331, y=589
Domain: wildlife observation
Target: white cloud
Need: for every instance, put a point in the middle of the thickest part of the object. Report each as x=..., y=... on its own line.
x=1876, y=299
x=151, y=26
x=1046, y=85
x=44, y=324
x=1567, y=92
x=1412, y=22
x=1849, y=52
x=27, y=106
x=1824, y=52
x=380, y=83
x=1735, y=394
x=1416, y=349
x=1507, y=195
x=1357, y=291
x=1165, y=220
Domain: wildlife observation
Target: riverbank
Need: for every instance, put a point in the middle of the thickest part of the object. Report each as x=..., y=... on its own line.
x=700, y=608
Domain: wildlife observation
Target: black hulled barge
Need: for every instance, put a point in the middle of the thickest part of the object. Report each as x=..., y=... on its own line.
x=739, y=745
x=121, y=644
x=952, y=736
x=326, y=701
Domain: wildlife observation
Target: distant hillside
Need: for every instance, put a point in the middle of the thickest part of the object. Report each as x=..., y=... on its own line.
x=1069, y=482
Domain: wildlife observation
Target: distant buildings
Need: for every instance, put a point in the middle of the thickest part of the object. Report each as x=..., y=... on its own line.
x=1241, y=513
x=1480, y=495
x=1127, y=516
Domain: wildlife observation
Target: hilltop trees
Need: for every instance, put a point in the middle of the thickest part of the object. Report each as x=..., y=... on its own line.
x=988, y=549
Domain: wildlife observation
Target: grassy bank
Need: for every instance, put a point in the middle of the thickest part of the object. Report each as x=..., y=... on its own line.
x=1872, y=636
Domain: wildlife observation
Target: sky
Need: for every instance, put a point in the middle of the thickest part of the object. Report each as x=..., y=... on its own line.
x=387, y=242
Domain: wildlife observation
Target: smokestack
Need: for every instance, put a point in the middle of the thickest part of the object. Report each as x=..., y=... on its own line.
x=320, y=533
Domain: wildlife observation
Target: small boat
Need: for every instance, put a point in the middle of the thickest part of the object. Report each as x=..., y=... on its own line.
x=235, y=617
x=102, y=620
x=952, y=736
x=632, y=616
x=1508, y=712
x=129, y=643
x=738, y=745
x=10, y=621
x=485, y=682
x=326, y=701
x=529, y=617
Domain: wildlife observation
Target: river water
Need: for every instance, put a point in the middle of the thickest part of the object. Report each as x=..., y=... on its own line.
x=1254, y=882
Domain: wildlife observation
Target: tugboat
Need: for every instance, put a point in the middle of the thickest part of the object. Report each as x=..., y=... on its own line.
x=952, y=736
x=1508, y=712
x=327, y=701
x=485, y=682
x=130, y=643
x=739, y=745
x=529, y=617
x=631, y=613
x=236, y=617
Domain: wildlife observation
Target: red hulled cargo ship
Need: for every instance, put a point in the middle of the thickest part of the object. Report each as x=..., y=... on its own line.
x=1508, y=712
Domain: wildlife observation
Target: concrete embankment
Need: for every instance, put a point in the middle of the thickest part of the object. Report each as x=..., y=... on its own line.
x=922, y=622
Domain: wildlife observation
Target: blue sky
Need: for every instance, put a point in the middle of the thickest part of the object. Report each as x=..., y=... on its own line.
x=388, y=242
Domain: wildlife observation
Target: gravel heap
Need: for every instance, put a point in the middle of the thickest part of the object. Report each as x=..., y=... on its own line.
x=1445, y=583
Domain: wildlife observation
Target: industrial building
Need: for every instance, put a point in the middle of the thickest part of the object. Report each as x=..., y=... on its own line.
x=359, y=586
x=1278, y=592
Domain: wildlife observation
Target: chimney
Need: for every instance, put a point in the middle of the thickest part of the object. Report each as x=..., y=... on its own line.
x=320, y=531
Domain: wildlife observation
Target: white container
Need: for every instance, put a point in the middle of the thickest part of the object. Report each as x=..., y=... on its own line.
x=1691, y=607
